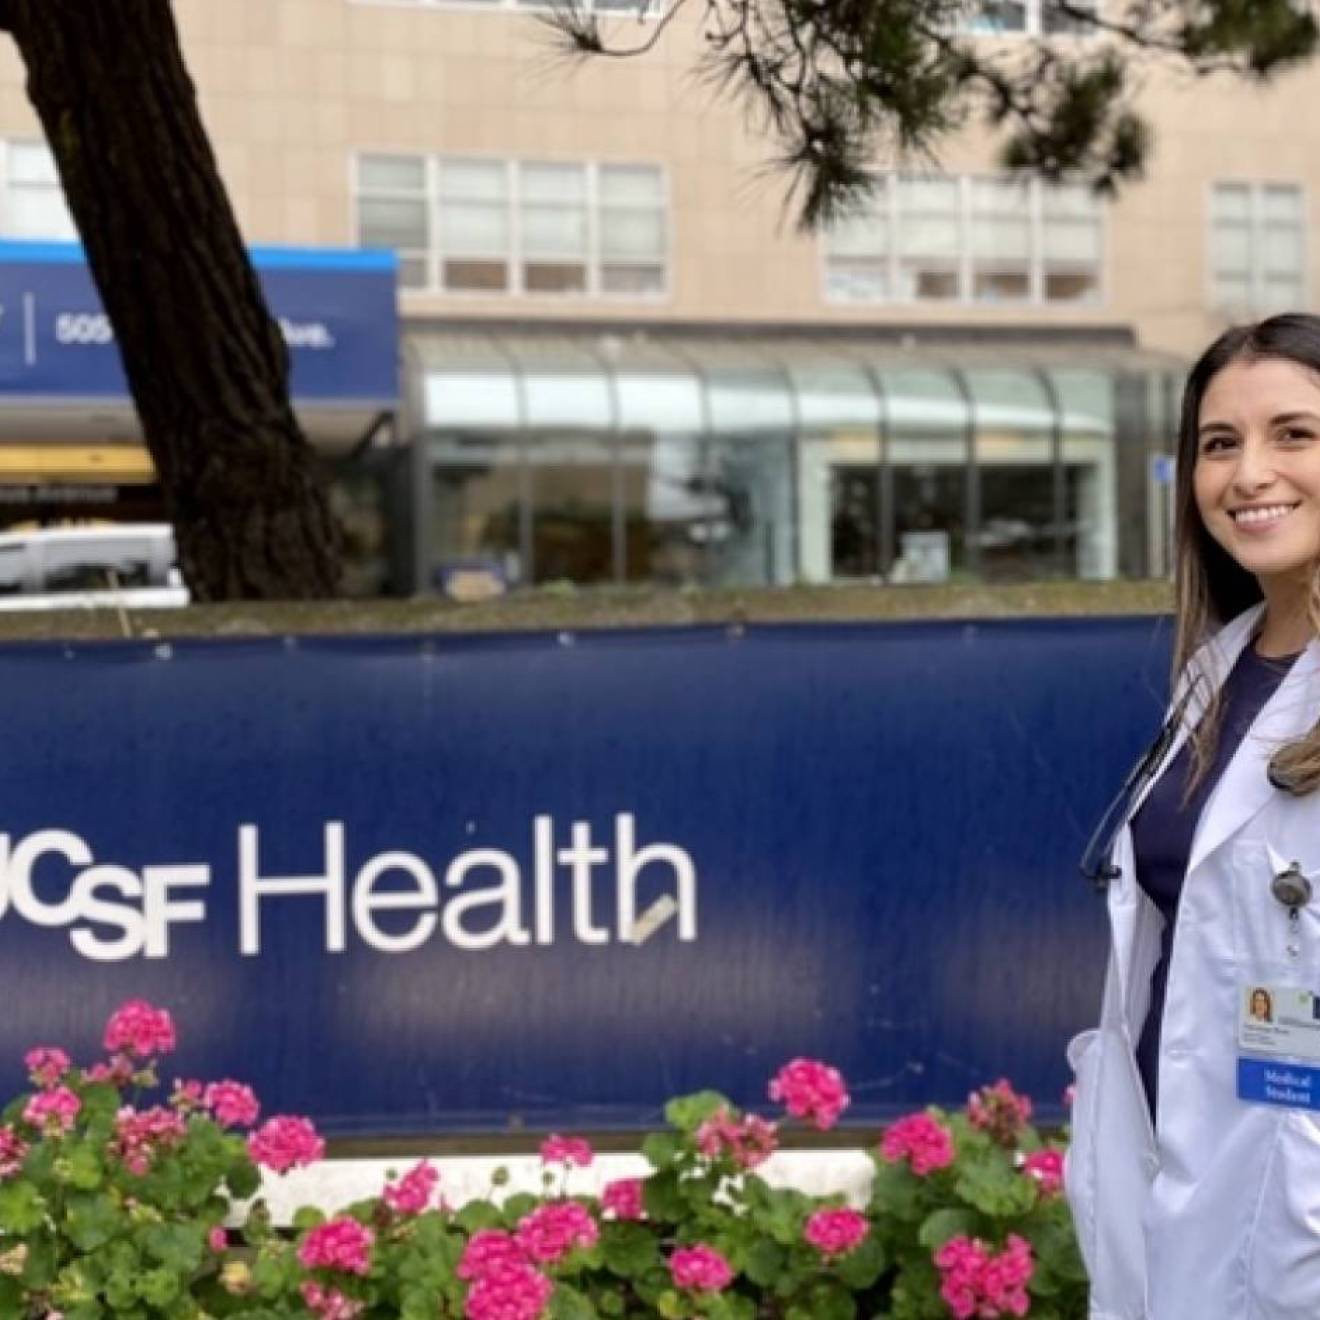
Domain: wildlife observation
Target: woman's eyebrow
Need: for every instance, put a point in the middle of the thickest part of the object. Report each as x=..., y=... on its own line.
x=1210, y=427
x=1283, y=418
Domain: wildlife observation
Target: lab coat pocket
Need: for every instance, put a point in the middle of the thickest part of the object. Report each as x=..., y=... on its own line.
x=1284, y=1265
x=1079, y=1172
x=1264, y=934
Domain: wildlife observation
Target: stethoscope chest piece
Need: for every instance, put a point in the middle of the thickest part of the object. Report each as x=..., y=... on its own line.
x=1291, y=888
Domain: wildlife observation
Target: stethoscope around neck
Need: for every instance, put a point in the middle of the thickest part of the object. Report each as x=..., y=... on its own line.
x=1290, y=888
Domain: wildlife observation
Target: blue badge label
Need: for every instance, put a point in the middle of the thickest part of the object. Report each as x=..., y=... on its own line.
x=1269, y=1082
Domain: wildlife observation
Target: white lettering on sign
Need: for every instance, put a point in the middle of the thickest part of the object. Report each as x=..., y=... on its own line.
x=392, y=903
x=94, y=328
x=83, y=328
x=307, y=334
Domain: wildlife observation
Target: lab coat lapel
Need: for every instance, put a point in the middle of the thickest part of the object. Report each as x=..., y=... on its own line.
x=1214, y=660
x=1127, y=900
x=1244, y=787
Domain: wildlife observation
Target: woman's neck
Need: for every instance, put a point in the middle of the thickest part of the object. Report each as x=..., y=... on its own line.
x=1286, y=627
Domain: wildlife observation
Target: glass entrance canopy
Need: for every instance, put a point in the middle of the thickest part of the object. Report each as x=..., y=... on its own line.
x=741, y=460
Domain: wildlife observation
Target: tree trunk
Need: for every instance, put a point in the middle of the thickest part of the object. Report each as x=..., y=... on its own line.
x=206, y=363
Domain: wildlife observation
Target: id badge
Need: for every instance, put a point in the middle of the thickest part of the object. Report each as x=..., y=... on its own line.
x=1279, y=1046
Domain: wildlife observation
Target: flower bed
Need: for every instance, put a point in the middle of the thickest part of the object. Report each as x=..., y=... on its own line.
x=111, y=1205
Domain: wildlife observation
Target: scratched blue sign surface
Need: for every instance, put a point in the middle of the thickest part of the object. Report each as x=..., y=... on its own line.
x=337, y=310
x=417, y=885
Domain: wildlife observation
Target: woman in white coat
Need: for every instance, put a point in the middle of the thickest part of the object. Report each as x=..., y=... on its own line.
x=1194, y=1170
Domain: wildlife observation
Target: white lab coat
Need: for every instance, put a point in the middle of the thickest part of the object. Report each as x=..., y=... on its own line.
x=1217, y=1215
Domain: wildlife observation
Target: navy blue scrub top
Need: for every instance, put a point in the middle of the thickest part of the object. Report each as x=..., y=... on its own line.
x=1162, y=830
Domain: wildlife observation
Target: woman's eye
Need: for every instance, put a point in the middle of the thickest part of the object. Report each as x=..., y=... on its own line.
x=1295, y=434
x=1217, y=444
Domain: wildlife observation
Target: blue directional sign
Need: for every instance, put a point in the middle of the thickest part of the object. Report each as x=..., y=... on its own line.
x=337, y=308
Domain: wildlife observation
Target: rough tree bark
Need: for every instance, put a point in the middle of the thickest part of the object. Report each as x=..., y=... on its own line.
x=207, y=365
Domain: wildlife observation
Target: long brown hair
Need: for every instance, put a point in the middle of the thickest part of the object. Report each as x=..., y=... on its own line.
x=1211, y=587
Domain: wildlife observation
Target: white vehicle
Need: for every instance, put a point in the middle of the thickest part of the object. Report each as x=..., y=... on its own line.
x=130, y=566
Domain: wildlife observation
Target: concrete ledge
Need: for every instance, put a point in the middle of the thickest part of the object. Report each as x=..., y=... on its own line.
x=334, y=1184
x=560, y=608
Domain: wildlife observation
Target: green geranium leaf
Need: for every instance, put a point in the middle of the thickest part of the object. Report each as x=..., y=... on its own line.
x=629, y=1249
x=518, y=1205
x=308, y=1216
x=936, y=1229
x=477, y=1215
x=21, y=1208
x=661, y=1149
x=670, y=1305
x=158, y=1287
x=895, y=1192
x=663, y=1198
x=764, y=1261
x=178, y=1247
x=83, y=1168
x=40, y=1263
x=995, y=1188
x=828, y=1300
x=862, y=1266
x=568, y=1304
x=729, y=1306
x=92, y=1220
x=689, y=1112
x=242, y=1178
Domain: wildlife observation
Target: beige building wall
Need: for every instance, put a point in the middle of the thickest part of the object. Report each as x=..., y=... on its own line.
x=291, y=89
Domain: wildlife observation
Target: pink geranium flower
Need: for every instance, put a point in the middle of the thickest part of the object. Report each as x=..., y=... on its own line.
x=232, y=1104
x=623, y=1199
x=836, y=1232
x=999, y=1111
x=700, y=1269
x=138, y=1028
x=567, y=1150
x=340, y=1244
x=13, y=1151
x=748, y=1142
x=487, y=1250
x=551, y=1231
x=975, y=1282
x=812, y=1091
x=141, y=1135
x=412, y=1193
x=924, y=1142
x=1045, y=1167
x=329, y=1303
x=53, y=1110
x=509, y=1291
x=46, y=1065
x=285, y=1143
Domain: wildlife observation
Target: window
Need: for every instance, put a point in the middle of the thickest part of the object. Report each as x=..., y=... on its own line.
x=946, y=238
x=552, y=228
x=1033, y=18
x=629, y=7
x=34, y=204
x=1257, y=247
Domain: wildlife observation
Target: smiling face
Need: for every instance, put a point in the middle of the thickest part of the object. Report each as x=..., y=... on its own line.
x=1256, y=478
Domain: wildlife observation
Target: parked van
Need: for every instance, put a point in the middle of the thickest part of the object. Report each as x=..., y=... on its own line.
x=131, y=565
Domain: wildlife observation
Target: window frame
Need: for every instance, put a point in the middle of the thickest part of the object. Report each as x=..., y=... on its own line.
x=7, y=149
x=967, y=262
x=1033, y=28
x=653, y=12
x=1256, y=303
x=515, y=257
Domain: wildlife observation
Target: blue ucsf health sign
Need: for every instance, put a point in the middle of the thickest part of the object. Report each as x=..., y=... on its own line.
x=417, y=885
x=337, y=309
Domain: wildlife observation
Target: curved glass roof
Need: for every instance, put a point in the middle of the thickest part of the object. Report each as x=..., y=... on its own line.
x=472, y=380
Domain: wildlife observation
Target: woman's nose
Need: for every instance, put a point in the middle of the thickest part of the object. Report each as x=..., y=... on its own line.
x=1254, y=470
